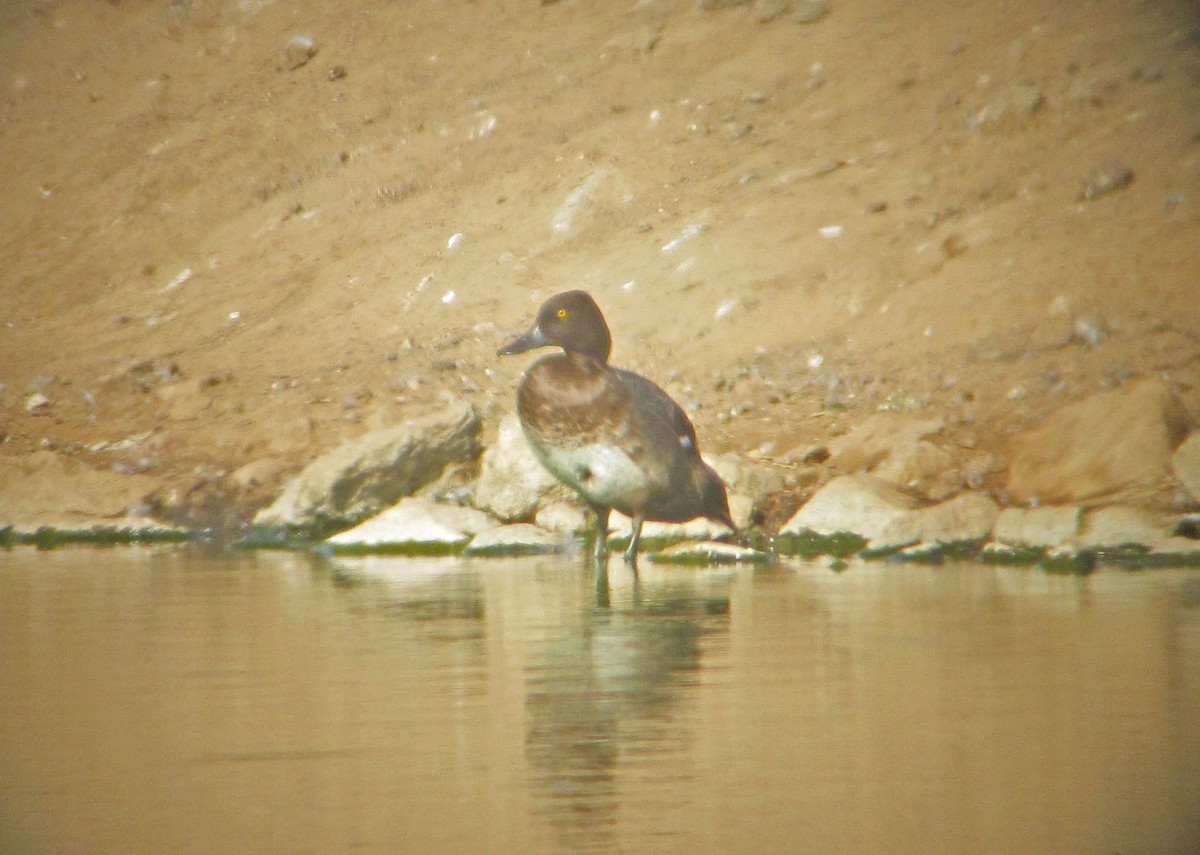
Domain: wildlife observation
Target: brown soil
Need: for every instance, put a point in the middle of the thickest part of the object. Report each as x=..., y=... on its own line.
x=316, y=207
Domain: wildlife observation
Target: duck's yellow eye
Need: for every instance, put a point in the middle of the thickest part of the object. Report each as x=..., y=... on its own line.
x=562, y=313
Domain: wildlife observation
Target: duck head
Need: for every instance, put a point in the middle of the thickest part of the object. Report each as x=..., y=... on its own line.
x=570, y=320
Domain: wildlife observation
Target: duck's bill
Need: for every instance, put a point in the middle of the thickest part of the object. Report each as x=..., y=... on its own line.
x=534, y=338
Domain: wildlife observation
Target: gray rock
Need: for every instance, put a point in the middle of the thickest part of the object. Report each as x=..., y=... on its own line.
x=516, y=539
x=1185, y=465
x=863, y=505
x=511, y=480
x=416, y=523
x=1098, y=446
x=365, y=475
x=1122, y=525
x=1038, y=527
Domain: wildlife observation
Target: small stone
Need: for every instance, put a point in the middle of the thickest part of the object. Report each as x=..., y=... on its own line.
x=1108, y=177
x=37, y=404
x=299, y=50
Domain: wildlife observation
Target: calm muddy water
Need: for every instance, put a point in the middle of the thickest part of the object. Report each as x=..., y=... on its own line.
x=164, y=702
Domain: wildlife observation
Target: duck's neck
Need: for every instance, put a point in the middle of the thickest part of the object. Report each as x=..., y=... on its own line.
x=587, y=361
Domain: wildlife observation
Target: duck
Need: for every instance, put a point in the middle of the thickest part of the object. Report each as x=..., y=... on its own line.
x=613, y=436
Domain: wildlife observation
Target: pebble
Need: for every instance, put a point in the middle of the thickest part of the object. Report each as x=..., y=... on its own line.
x=37, y=403
x=299, y=50
x=1108, y=177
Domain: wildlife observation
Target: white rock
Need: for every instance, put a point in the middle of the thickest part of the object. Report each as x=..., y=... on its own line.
x=1038, y=527
x=417, y=522
x=516, y=539
x=708, y=552
x=863, y=505
x=511, y=479
x=37, y=403
x=299, y=50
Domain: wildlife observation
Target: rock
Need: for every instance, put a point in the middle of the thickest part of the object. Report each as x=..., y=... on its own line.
x=561, y=517
x=595, y=200
x=709, y=552
x=517, y=539
x=365, y=475
x=1108, y=177
x=749, y=478
x=511, y=480
x=1037, y=527
x=862, y=505
x=1185, y=464
x=810, y=11
x=921, y=466
x=966, y=517
x=876, y=438
x=1098, y=446
x=1123, y=525
x=256, y=473
x=37, y=404
x=416, y=526
x=299, y=50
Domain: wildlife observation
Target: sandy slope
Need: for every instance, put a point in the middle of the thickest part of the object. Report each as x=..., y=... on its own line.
x=789, y=225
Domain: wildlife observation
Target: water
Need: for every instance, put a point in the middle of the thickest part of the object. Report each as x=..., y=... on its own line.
x=163, y=702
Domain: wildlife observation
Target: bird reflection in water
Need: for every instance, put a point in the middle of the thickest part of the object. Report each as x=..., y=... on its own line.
x=606, y=692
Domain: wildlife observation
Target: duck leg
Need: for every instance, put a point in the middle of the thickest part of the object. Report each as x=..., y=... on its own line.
x=635, y=535
x=601, y=549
